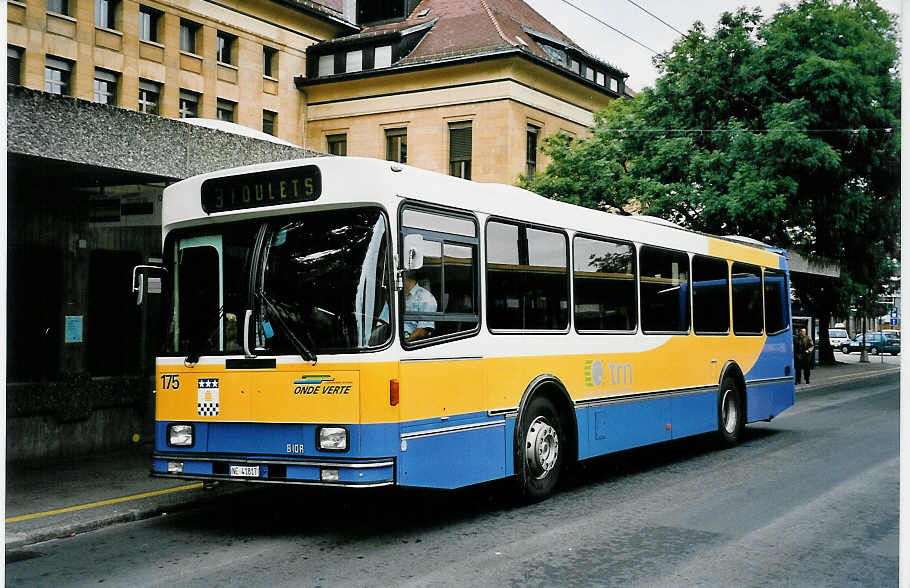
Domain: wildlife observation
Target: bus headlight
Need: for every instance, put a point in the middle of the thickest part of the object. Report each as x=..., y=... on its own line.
x=332, y=439
x=180, y=435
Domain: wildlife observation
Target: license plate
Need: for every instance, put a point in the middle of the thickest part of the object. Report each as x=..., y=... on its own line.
x=245, y=471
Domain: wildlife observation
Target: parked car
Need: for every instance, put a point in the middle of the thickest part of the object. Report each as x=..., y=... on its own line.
x=838, y=337
x=875, y=343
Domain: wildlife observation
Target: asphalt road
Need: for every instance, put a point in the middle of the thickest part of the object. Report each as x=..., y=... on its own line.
x=810, y=499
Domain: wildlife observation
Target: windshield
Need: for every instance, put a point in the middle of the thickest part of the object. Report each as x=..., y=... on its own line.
x=326, y=279
x=838, y=333
x=322, y=284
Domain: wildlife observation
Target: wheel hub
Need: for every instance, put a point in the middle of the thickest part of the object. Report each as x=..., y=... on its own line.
x=729, y=412
x=541, y=447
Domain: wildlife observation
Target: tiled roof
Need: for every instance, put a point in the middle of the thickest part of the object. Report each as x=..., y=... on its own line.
x=475, y=27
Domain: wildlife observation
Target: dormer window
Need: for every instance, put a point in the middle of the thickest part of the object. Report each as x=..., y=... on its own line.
x=326, y=65
x=555, y=54
x=354, y=61
x=383, y=57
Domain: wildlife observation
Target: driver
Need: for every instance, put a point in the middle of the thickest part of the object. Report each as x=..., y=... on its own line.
x=417, y=299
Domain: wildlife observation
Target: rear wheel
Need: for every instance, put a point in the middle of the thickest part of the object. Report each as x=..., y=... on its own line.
x=731, y=414
x=541, y=450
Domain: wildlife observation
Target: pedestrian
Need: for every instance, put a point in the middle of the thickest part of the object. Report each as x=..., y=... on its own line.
x=803, y=348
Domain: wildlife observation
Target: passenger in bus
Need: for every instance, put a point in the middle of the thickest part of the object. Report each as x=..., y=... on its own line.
x=417, y=299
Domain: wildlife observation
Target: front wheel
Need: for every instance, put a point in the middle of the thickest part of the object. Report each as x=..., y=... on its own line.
x=730, y=413
x=541, y=449
x=845, y=350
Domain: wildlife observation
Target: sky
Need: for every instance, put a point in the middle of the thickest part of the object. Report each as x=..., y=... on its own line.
x=627, y=55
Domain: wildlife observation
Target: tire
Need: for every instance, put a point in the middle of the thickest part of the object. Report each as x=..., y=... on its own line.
x=540, y=450
x=873, y=351
x=731, y=415
x=845, y=350
x=894, y=353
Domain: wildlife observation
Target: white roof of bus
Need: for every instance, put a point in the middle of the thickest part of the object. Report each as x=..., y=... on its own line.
x=377, y=181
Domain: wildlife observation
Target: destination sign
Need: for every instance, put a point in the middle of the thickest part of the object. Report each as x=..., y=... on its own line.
x=280, y=186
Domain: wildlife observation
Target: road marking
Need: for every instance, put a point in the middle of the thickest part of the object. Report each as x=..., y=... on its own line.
x=48, y=513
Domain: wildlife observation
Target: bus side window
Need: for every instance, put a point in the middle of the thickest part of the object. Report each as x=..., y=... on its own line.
x=776, y=292
x=449, y=275
x=748, y=317
x=664, y=290
x=710, y=295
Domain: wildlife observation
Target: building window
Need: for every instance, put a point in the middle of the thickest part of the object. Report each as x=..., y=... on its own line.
x=383, y=57
x=189, y=104
x=106, y=13
x=268, y=121
x=337, y=144
x=600, y=79
x=396, y=145
x=574, y=65
x=533, y=133
x=270, y=62
x=148, y=24
x=149, y=95
x=460, y=149
x=13, y=65
x=614, y=85
x=354, y=61
x=106, y=87
x=58, y=6
x=226, y=47
x=225, y=110
x=326, y=65
x=57, y=76
x=188, y=32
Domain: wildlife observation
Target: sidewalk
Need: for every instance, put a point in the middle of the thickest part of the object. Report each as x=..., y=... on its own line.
x=80, y=495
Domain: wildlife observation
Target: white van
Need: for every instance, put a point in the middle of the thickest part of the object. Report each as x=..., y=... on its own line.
x=837, y=337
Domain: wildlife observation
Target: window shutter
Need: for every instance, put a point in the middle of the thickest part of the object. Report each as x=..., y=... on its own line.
x=460, y=143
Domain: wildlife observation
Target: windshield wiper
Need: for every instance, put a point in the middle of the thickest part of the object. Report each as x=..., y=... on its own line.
x=299, y=347
x=194, y=344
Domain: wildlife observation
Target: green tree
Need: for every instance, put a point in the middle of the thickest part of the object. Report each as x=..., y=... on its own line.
x=785, y=130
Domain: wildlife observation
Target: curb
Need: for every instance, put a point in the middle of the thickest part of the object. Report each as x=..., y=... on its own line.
x=879, y=375
x=16, y=541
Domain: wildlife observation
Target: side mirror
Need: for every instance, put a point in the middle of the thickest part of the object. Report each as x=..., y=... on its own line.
x=412, y=257
x=138, y=282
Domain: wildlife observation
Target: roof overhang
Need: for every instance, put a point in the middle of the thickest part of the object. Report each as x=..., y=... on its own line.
x=320, y=12
x=303, y=82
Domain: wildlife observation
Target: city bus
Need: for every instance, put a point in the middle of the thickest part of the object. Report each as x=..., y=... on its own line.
x=352, y=322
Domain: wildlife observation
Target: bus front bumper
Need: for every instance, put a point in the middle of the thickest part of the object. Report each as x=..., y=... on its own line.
x=360, y=474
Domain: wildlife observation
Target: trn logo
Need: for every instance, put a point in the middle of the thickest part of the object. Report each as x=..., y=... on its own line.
x=620, y=374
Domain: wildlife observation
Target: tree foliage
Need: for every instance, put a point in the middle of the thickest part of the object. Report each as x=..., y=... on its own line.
x=785, y=130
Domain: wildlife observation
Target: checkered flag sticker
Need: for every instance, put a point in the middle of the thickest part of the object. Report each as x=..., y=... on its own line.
x=207, y=404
